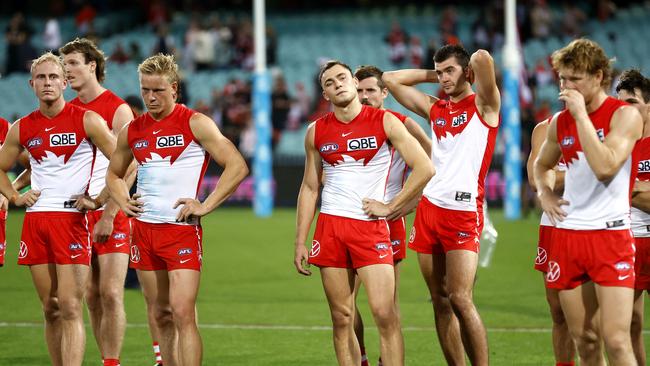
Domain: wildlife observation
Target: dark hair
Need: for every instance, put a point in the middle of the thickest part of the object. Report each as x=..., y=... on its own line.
x=452, y=50
x=632, y=79
x=328, y=65
x=90, y=52
x=369, y=71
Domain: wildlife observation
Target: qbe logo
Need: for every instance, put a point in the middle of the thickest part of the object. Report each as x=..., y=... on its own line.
x=63, y=139
x=644, y=166
x=169, y=141
x=362, y=143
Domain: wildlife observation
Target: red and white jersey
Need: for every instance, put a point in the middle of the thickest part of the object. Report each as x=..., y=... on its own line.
x=171, y=163
x=561, y=166
x=356, y=158
x=61, y=157
x=462, y=147
x=398, y=168
x=105, y=105
x=4, y=128
x=641, y=219
x=594, y=205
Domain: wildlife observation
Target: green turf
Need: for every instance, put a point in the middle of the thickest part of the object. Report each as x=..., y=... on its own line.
x=249, y=279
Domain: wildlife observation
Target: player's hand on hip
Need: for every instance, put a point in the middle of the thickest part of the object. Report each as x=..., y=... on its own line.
x=84, y=202
x=574, y=102
x=191, y=208
x=552, y=205
x=301, y=260
x=103, y=230
x=27, y=199
x=375, y=208
x=4, y=203
x=133, y=206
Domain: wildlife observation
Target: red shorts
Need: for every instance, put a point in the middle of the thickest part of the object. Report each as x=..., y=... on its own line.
x=437, y=230
x=3, y=236
x=642, y=263
x=397, y=229
x=543, y=246
x=156, y=247
x=119, y=240
x=605, y=257
x=348, y=243
x=54, y=237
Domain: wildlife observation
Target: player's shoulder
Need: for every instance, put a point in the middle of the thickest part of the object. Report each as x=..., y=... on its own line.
x=399, y=116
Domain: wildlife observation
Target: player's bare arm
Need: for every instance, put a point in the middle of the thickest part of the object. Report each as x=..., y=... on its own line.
x=605, y=158
x=9, y=153
x=416, y=131
x=537, y=139
x=307, y=199
x=401, y=83
x=119, y=190
x=415, y=157
x=226, y=155
x=488, y=99
x=544, y=175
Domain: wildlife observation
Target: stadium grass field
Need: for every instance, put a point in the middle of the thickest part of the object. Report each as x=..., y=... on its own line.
x=255, y=310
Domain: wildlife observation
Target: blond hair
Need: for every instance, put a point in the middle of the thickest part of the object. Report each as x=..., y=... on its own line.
x=160, y=64
x=47, y=57
x=584, y=55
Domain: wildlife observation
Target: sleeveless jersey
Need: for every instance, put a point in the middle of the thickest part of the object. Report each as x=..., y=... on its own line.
x=398, y=168
x=462, y=147
x=594, y=205
x=61, y=157
x=105, y=105
x=561, y=166
x=171, y=163
x=4, y=128
x=641, y=219
x=356, y=158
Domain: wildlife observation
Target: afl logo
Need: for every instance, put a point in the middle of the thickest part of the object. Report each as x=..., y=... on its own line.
x=567, y=141
x=329, y=147
x=119, y=236
x=36, y=141
x=315, y=248
x=135, y=254
x=440, y=122
x=22, y=253
x=141, y=144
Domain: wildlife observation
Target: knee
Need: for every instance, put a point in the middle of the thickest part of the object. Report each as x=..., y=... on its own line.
x=162, y=315
x=461, y=302
x=385, y=316
x=183, y=314
x=617, y=343
x=70, y=308
x=342, y=317
x=51, y=310
x=440, y=300
x=587, y=340
x=111, y=299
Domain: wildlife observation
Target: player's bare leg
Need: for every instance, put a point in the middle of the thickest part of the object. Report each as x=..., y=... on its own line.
x=636, y=329
x=379, y=282
x=339, y=286
x=581, y=312
x=150, y=301
x=155, y=287
x=183, y=290
x=44, y=278
x=616, y=305
x=113, y=269
x=461, y=273
x=93, y=303
x=72, y=279
x=563, y=346
x=433, y=268
x=358, y=321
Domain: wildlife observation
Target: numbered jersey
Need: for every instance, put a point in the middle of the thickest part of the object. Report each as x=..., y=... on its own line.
x=641, y=219
x=105, y=105
x=462, y=147
x=61, y=157
x=171, y=163
x=594, y=205
x=356, y=159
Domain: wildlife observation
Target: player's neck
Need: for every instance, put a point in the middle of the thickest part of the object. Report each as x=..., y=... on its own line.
x=349, y=112
x=162, y=114
x=89, y=92
x=467, y=91
x=50, y=110
x=646, y=127
x=596, y=101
